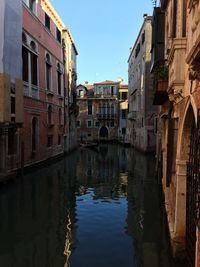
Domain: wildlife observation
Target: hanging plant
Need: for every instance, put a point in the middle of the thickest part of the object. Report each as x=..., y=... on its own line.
x=161, y=72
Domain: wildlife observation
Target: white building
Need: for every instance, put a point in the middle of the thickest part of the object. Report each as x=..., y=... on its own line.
x=141, y=116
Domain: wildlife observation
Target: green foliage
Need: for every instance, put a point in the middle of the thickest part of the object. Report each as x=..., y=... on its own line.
x=161, y=72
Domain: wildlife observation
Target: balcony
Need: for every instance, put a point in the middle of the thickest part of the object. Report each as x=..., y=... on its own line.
x=161, y=95
x=101, y=116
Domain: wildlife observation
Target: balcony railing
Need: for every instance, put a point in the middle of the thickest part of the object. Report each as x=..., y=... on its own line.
x=101, y=116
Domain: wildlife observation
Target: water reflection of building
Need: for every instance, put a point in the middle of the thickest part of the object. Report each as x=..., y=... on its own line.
x=107, y=174
x=36, y=213
x=145, y=217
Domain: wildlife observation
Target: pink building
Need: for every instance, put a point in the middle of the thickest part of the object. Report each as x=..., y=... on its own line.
x=45, y=82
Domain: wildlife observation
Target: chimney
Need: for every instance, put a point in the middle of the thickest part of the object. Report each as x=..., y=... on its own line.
x=145, y=15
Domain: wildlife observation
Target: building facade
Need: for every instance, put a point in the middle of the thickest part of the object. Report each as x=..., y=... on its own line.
x=11, y=89
x=123, y=113
x=178, y=117
x=99, y=111
x=141, y=116
x=38, y=64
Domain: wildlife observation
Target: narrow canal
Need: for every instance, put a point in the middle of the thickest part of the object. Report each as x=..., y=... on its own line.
x=94, y=208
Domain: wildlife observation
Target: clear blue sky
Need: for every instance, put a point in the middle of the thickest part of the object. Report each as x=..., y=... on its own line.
x=103, y=31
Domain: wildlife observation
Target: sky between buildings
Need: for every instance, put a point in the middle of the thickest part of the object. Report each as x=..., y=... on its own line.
x=103, y=31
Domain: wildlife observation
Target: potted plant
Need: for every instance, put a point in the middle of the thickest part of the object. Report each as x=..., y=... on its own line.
x=161, y=74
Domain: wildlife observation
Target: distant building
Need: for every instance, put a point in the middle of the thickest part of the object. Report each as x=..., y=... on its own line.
x=141, y=116
x=99, y=111
x=123, y=112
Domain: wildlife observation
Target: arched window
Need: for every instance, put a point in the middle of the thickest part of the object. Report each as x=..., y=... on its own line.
x=34, y=134
x=29, y=61
x=49, y=114
x=59, y=78
x=48, y=72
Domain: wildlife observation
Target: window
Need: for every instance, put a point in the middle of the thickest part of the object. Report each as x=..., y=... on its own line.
x=12, y=142
x=97, y=124
x=81, y=93
x=112, y=90
x=155, y=125
x=123, y=113
x=12, y=105
x=60, y=116
x=29, y=62
x=124, y=95
x=174, y=19
x=58, y=35
x=48, y=72
x=78, y=124
x=32, y=5
x=59, y=79
x=59, y=139
x=89, y=107
x=34, y=133
x=137, y=50
x=89, y=124
x=112, y=109
x=24, y=39
x=184, y=12
x=47, y=21
x=34, y=79
x=143, y=37
x=123, y=131
x=49, y=140
x=112, y=124
x=49, y=114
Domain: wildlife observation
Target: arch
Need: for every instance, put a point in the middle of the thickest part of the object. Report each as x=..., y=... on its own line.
x=34, y=134
x=190, y=110
x=103, y=132
x=182, y=157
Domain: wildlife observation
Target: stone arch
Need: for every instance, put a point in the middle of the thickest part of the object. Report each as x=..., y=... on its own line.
x=182, y=158
x=190, y=110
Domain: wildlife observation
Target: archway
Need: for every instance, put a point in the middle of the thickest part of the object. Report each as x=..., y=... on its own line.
x=191, y=153
x=103, y=132
x=186, y=176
